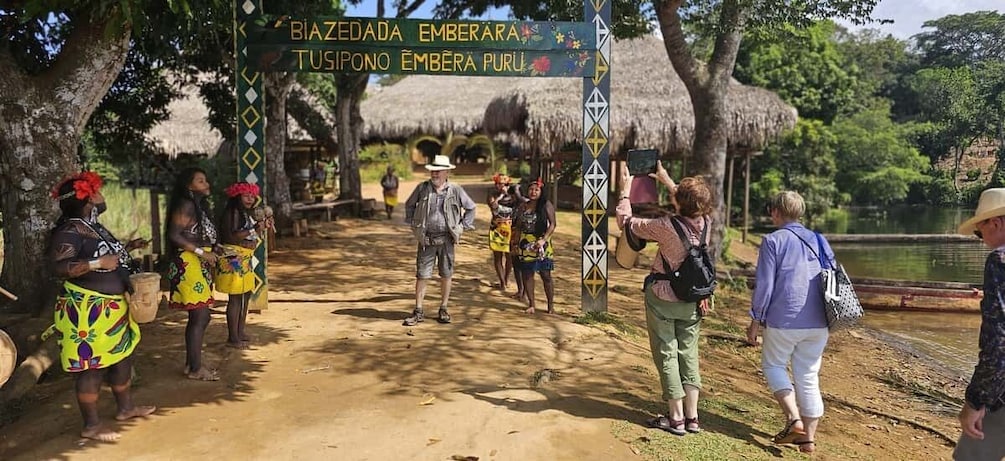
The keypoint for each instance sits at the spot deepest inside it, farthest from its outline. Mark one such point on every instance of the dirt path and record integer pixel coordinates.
(334, 375)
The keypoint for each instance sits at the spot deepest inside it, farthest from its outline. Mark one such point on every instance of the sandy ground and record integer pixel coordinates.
(334, 375)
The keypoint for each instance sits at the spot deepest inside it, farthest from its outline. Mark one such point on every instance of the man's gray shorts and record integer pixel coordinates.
(441, 255)
(993, 445)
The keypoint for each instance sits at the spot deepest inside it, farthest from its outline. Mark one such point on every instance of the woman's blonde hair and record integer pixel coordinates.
(693, 197)
(789, 205)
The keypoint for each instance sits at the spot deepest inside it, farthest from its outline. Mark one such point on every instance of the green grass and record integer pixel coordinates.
(611, 320)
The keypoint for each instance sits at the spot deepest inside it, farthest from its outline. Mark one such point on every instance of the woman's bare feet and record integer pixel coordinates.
(100, 433)
(242, 345)
(135, 412)
(518, 295)
(203, 374)
(530, 310)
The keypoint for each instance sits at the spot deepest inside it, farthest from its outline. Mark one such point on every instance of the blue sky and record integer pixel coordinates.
(907, 15)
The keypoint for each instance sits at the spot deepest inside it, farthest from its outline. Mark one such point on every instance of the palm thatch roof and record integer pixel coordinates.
(430, 104)
(650, 107)
(187, 131)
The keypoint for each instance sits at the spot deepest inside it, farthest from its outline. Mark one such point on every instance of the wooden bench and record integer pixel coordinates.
(301, 210)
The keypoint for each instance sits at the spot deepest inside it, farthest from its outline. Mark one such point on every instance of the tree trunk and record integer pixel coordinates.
(42, 117)
(277, 88)
(708, 86)
(316, 119)
(350, 128)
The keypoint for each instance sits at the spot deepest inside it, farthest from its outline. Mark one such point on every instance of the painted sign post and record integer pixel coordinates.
(420, 46)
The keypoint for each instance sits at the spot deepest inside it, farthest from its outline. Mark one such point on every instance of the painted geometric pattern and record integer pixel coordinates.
(250, 92)
(596, 162)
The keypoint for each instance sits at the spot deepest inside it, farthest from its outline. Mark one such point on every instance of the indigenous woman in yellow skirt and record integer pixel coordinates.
(239, 233)
(191, 238)
(390, 185)
(502, 202)
(536, 221)
(96, 334)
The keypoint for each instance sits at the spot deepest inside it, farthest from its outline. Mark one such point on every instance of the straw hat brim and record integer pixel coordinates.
(970, 225)
(440, 167)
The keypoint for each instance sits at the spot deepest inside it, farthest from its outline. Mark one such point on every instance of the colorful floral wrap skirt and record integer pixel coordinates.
(500, 235)
(233, 274)
(94, 330)
(191, 282)
(530, 258)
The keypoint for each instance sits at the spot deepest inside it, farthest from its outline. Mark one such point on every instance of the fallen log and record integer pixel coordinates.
(27, 374)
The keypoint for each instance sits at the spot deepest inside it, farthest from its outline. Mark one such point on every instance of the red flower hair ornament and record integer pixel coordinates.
(85, 185)
(239, 188)
(500, 178)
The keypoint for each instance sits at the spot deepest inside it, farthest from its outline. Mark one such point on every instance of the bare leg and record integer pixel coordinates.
(507, 269)
(497, 262)
(806, 443)
(549, 290)
(795, 427)
(119, 376)
(528, 289)
(235, 313)
(420, 292)
(241, 333)
(195, 331)
(787, 401)
(518, 276)
(88, 385)
(445, 284)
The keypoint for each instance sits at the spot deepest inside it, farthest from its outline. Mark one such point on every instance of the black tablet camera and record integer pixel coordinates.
(642, 162)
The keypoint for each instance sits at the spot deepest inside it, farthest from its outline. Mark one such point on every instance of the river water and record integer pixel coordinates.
(950, 339)
(950, 262)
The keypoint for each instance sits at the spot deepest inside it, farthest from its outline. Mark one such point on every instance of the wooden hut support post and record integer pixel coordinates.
(746, 198)
(729, 190)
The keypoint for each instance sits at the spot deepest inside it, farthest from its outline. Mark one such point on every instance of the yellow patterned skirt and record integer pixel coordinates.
(94, 330)
(191, 281)
(500, 235)
(391, 198)
(233, 274)
(530, 259)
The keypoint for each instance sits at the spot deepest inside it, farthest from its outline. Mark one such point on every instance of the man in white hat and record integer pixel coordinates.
(982, 417)
(438, 212)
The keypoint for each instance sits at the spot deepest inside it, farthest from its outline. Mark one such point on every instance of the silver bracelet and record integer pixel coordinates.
(199, 251)
(94, 264)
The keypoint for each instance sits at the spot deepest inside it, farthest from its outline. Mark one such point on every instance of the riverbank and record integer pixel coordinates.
(334, 375)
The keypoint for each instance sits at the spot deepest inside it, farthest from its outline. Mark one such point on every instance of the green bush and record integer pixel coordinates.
(374, 159)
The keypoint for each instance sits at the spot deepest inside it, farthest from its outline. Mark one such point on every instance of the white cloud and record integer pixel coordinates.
(909, 15)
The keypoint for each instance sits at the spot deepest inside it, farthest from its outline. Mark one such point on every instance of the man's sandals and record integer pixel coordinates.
(418, 317)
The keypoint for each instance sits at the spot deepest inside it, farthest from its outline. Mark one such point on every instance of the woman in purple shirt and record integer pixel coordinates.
(789, 304)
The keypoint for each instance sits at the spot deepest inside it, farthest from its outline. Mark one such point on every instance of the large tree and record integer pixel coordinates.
(58, 59)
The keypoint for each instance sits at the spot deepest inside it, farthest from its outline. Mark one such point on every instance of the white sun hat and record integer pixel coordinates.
(439, 163)
(991, 204)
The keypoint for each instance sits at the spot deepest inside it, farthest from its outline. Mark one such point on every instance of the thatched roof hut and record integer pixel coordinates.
(650, 107)
(187, 131)
(431, 104)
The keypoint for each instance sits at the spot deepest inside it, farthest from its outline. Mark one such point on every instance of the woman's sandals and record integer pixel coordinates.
(790, 433)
